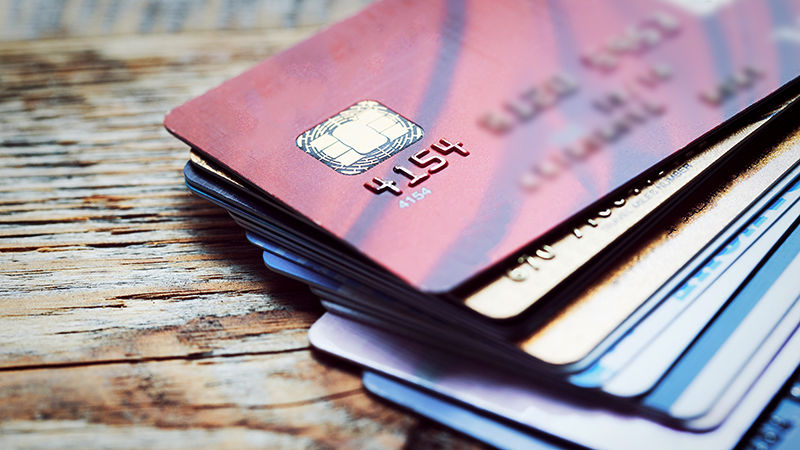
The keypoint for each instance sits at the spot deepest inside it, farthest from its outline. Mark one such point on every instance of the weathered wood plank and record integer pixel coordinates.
(133, 314)
(94, 215)
(23, 19)
(289, 395)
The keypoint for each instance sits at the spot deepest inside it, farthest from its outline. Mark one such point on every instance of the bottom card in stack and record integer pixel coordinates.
(778, 428)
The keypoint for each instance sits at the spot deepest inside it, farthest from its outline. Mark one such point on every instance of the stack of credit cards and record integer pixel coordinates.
(536, 222)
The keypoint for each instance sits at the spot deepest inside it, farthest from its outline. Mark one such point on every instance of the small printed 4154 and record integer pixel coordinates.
(414, 197)
(424, 159)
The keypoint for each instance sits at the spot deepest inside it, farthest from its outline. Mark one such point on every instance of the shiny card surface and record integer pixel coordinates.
(439, 138)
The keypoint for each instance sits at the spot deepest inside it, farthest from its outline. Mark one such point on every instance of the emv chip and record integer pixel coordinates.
(359, 137)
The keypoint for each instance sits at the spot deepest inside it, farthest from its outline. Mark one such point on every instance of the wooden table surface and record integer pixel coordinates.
(132, 313)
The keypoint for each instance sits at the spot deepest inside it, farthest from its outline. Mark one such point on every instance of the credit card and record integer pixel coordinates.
(662, 338)
(718, 355)
(537, 274)
(752, 369)
(260, 218)
(581, 336)
(374, 130)
(640, 278)
(519, 399)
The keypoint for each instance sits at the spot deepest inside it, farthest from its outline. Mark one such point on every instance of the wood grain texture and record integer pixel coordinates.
(33, 19)
(133, 314)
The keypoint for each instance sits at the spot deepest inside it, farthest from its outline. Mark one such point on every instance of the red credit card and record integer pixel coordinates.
(440, 137)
